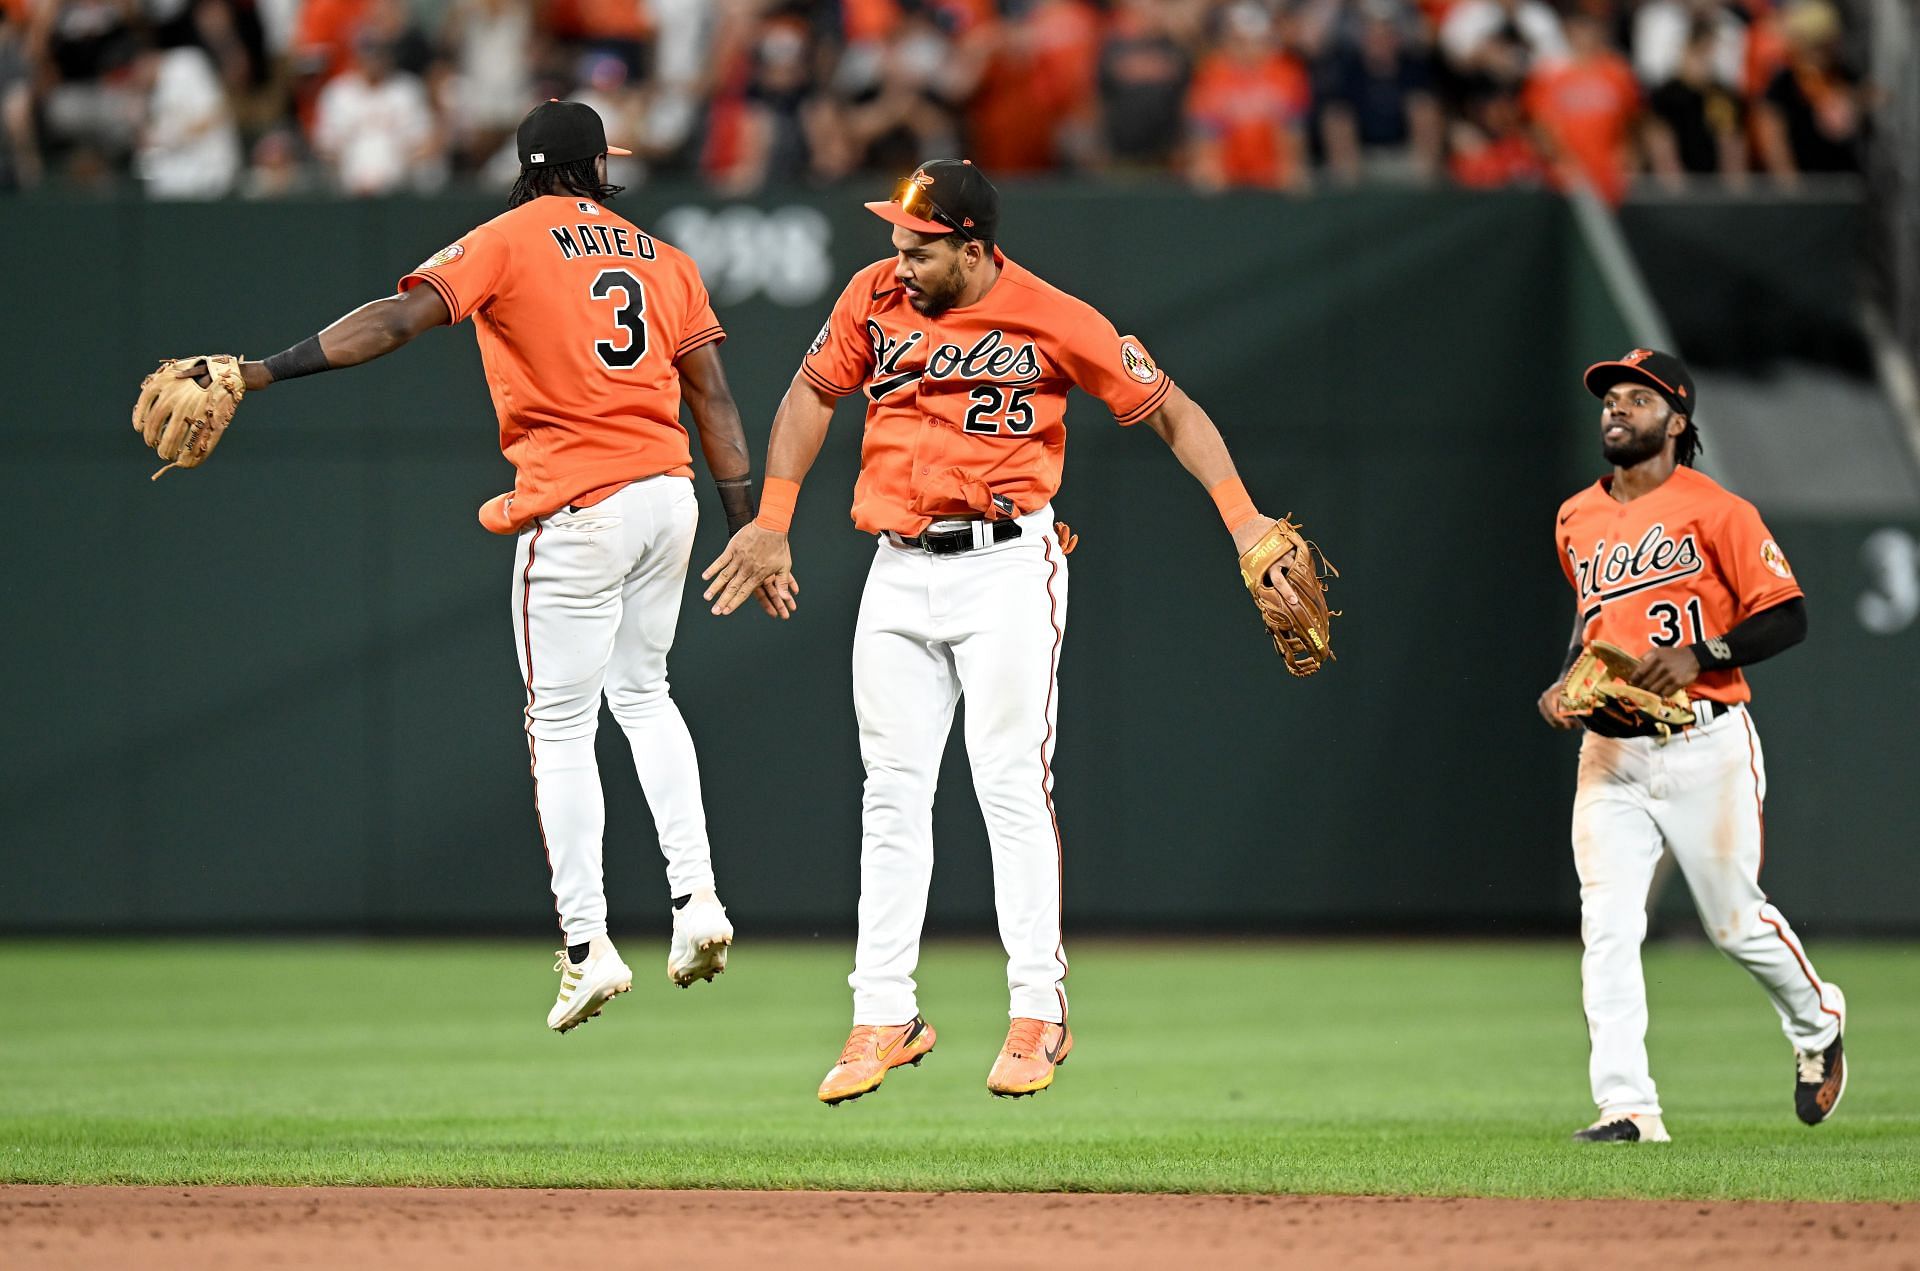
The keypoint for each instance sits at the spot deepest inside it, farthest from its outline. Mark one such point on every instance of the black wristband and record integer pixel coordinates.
(1712, 655)
(304, 358)
(736, 500)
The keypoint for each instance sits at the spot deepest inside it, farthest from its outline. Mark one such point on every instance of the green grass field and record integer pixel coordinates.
(1418, 1068)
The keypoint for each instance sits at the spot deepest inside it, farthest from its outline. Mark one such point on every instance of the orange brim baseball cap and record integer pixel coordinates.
(944, 196)
(556, 132)
(1663, 372)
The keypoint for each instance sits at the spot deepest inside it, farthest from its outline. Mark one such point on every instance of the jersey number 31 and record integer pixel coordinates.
(630, 317)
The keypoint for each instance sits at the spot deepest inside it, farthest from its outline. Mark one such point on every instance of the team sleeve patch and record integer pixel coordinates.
(1137, 363)
(820, 341)
(446, 255)
(1775, 560)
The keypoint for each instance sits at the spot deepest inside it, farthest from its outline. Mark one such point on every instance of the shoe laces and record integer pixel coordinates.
(1023, 1037)
(860, 1042)
(1813, 1066)
(560, 960)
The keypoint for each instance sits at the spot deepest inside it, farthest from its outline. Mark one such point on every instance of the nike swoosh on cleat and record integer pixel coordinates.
(1053, 1052)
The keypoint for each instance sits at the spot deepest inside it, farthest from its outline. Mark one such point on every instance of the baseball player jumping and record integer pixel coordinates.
(592, 332)
(966, 360)
(1671, 568)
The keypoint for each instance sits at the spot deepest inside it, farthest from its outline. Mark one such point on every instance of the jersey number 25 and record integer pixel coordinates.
(630, 316)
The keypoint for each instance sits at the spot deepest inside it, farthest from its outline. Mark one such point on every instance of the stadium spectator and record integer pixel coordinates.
(91, 106)
(374, 127)
(275, 170)
(1035, 103)
(19, 143)
(1378, 113)
(189, 146)
(1696, 122)
(1247, 109)
(683, 37)
(322, 44)
(1490, 146)
(1143, 75)
(1492, 45)
(491, 87)
(1811, 118)
(1665, 30)
(619, 28)
(892, 101)
(1584, 107)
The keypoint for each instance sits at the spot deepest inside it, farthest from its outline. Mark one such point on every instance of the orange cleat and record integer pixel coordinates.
(1034, 1048)
(872, 1051)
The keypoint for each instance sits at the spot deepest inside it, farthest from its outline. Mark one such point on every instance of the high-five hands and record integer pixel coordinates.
(757, 562)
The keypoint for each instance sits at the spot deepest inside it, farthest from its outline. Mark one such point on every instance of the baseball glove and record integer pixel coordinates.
(1597, 681)
(1299, 623)
(181, 420)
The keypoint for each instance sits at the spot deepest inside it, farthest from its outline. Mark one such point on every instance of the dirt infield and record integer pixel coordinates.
(208, 1228)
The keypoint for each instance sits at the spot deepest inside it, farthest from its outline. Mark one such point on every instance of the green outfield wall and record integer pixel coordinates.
(280, 692)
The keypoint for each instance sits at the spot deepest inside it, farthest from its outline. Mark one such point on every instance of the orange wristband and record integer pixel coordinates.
(1235, 504)
(777, 498)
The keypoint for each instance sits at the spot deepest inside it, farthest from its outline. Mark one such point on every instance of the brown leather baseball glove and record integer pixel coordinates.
(181, 420)
(1597, 681)
(1299, 624)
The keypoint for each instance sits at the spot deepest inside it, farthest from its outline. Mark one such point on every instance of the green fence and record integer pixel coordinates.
(280, 691)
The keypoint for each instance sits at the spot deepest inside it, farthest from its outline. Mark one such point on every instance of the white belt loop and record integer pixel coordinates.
(982, 534)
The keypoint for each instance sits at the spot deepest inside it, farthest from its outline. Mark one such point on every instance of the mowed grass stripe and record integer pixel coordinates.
(1416, 1068)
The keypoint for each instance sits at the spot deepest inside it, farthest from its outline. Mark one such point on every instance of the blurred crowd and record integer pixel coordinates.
(262, 98)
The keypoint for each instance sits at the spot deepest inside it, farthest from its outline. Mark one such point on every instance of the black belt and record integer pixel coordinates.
(1607, 726)
(952, 542)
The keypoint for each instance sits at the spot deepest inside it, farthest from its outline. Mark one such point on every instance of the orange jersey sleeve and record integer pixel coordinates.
(841, 356)
(581, 317)
(1114, 368)
(1756, 570)
(465, 273)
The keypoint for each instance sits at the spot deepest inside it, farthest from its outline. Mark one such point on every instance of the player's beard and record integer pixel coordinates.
(937, 298)
(1636, 447)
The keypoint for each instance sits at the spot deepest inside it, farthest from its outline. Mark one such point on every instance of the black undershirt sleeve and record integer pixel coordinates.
(736, 500)
(1762, 635)
(304, 358)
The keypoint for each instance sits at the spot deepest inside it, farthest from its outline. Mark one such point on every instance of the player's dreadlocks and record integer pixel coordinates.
(1687, 446)
(578, 177)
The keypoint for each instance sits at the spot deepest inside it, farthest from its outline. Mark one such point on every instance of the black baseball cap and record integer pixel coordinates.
(556, 132)
(944, 196)
(1662, 372)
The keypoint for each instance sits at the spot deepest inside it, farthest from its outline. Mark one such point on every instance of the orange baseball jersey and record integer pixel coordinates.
(1684, 563)
(971, 404)
(580, 317)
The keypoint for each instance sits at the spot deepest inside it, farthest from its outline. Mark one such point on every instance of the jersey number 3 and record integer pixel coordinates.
(630, 316)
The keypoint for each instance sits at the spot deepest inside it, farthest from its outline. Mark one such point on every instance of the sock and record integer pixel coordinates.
(577, 953)
(680, 902)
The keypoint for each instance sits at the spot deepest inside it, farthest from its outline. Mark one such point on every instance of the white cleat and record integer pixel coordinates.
(701, 937)
(586, 987)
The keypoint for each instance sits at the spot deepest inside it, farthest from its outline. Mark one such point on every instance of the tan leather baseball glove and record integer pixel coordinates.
(1597, 681)
(1299, 624)
(178, 418)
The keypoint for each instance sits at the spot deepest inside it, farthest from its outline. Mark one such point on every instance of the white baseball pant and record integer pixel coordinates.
(596, 596)
(988, 624)
(1701, 794)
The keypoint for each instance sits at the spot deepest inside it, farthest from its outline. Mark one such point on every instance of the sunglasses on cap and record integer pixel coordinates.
(912, 198)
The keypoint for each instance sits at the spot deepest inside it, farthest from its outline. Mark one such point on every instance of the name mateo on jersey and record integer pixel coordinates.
(580, 241)
(992, 357)
(1620, 569)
